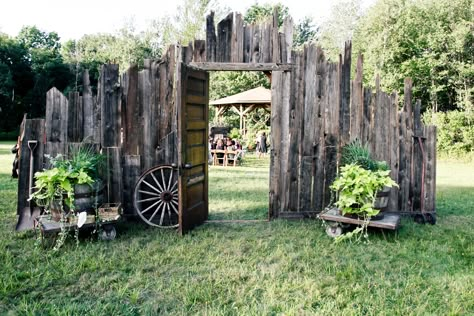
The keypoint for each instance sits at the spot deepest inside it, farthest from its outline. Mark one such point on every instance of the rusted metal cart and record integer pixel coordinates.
(337, 223)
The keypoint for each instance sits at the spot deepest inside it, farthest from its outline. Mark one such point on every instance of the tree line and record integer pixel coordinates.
(428, 40)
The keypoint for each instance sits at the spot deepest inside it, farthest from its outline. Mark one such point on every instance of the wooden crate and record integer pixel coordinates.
(109, 211)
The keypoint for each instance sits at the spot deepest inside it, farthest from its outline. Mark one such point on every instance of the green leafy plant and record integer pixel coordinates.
(357, 153)
(357, 189)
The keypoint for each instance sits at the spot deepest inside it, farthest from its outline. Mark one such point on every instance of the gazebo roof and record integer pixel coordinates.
(259, 95)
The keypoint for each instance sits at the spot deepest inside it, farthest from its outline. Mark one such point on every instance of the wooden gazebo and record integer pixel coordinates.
(243, 103)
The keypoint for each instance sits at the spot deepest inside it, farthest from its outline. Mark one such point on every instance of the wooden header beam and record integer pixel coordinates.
(241, 66)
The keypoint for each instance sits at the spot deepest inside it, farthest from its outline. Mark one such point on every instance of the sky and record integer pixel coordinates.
(73, 19)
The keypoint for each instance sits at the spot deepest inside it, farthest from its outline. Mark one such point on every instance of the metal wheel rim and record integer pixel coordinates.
(155, 197)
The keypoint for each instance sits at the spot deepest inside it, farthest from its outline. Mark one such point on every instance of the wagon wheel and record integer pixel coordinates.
(156, 197)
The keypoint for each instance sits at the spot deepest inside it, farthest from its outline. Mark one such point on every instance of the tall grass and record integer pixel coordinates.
(264, 268)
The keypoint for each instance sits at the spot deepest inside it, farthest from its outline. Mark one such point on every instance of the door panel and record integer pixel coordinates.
(193, 132)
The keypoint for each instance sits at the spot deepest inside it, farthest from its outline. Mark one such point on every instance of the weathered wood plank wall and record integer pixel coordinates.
(316, 109)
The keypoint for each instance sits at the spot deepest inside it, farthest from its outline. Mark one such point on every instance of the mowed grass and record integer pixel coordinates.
(265, 268)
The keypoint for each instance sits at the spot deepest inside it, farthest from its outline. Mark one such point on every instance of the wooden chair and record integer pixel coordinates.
(218, 157)
(232, 157)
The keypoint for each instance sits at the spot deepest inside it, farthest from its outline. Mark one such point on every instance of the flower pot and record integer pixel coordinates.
(88, 197)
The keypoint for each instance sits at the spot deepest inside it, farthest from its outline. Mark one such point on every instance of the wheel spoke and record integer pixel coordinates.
(168, 210)
(156, 211)
(174, 202)
(149, 199)
(174, 208)
(156, 181)
(174, 186)
(148, 192)
(150, 207)
(162, 215)
(163, 178)
(152, 187)
(171, 178)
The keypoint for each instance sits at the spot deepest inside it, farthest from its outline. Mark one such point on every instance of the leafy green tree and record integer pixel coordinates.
(305, 32)
(339, 26)
(47, 65)
(427, 40)
(258, 13)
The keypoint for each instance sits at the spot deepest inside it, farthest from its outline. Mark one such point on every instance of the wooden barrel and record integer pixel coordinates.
(88, 197)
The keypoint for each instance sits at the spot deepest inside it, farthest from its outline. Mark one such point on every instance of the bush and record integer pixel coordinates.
(455, 132)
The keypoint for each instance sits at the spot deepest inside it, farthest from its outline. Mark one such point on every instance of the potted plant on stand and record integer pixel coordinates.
(71, 185)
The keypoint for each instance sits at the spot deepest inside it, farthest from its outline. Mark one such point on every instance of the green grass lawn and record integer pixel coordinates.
(265, 268)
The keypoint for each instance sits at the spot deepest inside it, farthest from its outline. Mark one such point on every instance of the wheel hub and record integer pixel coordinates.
(166, 196)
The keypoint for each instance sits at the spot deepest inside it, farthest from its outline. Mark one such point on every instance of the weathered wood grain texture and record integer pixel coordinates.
(266, 52)
(148, 117)
(394, 151)
(345, 97)
(404, 172)
(285, 139)
(89, 119)
(430, 176)
(275, 38)
(296, 127)
(357, 103)
(56, 122)
(113, 174)
(34, 130)
(224, 39)
(248, 42)
(332, 136)
(188, 53)
(132, 115)
(275, 158)
(308, 133)
(419, 159)
(319, 151)
(286, 43)
(237, 38)
(211, 39)
(75, 117)
(167, 151)
(110, 106)
(241, 66)
(255, 48)
(366, 123)
(199, 53)
(131, 173)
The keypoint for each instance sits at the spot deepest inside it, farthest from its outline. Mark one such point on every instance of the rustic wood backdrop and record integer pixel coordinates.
(316, 109)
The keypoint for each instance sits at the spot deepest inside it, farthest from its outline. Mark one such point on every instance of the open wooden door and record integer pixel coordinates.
(193, 112)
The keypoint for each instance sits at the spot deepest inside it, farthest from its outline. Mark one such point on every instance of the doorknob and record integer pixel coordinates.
(187, 166)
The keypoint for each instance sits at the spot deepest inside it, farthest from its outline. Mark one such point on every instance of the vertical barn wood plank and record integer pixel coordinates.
(114, 174)
(248, 42)
(144, 97)
(211, 40)
(319, 150)
(275, 164)
(275, 39)
(255, 48)
(296, 127)
(345, 98)
(56, 122)
(308, 134)
(88, 108)
(75, 118)
(287, 44)
(224, 39)
(132, 115)
(366, 116)
(394, 151)
(418, 160)
(357, 103)
(199, 53)
(34, 129)
(406, 143)
(131, 173)
(110, 110)
(285, 140)
(332, 125)
(188, 52)
(237, 48)
(430, 176)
